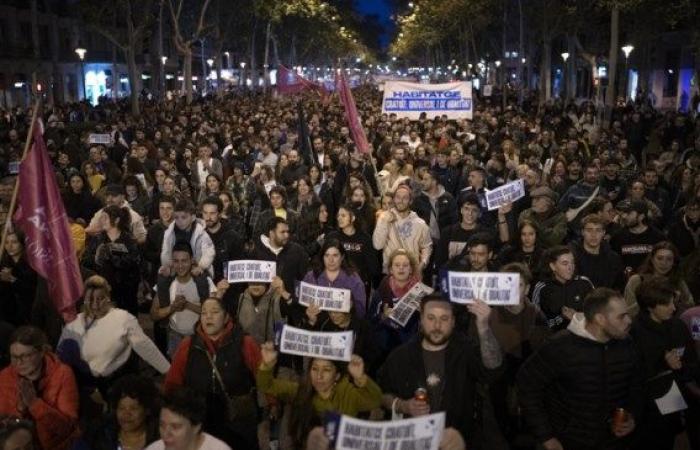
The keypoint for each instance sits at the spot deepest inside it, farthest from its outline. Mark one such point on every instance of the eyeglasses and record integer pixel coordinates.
(23, 357)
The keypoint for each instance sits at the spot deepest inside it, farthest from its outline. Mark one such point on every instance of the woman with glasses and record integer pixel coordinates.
(37, 386)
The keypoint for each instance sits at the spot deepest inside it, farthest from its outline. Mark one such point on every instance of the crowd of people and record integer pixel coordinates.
(600, 352)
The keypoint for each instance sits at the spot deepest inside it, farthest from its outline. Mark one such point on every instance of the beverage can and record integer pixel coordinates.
(421, 394)
(619, 417)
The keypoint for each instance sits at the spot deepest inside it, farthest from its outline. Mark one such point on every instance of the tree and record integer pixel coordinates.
(186, 32)
(125, 23)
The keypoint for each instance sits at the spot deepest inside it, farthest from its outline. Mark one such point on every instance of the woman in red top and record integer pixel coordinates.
(236, 357)
(37, 386)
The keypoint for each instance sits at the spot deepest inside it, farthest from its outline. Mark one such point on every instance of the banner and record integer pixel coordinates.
(316, 344)
(411, 99)
(351, 114)
(100, 139)
(505, 194)
(409, 303)
(418, 433)
(251, 271)
(42, 217)
(494, 288)
(290, 82)
(326, 298)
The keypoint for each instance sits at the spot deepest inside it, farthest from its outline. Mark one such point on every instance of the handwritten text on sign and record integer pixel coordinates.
(494, 288)
(316, 344)
(251, 271)
(420, 433)
(409, 303)
(505, 194)
(326, 298)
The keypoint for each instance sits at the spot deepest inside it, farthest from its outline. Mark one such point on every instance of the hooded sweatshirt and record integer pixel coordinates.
(410, 233)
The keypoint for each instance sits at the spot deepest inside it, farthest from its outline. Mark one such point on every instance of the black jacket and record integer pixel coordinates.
(571, 385)
(550, 296)
(603, 270)
(228, 246)
(445, 209)
(404, 371)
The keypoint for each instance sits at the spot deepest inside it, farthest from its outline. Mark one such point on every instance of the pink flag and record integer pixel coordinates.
(351, 115)
(290, 82)
(42, 217)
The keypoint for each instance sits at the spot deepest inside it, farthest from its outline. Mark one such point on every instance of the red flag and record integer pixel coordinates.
(42, 217)
(290, 82)
(351, 115)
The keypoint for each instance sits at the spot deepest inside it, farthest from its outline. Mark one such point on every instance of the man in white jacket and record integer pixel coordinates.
(186, 228)
(402, 228)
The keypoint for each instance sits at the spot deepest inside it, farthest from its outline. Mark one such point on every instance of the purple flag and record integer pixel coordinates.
(42, 217)
(351, 115)
(290, 82)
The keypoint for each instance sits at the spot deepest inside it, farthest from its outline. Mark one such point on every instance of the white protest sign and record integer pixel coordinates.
(251, 271)
(494, 288)
(488, 90)
(409, 100)
(100, 139)
(326, 298)
(409, 303)
(317, 344)
(419, 433)
(507, 193)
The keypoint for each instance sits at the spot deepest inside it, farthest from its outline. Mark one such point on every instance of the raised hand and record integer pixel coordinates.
(356, 367)
(312, 312)
(481, 311)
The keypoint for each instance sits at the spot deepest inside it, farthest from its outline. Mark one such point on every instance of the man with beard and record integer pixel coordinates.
(228, 244)
(635, 241)
(294, 170)
(401, 227)
(445, 364)
(571, 387)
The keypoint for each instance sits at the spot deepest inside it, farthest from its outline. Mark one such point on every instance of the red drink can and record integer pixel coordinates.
(421, 394)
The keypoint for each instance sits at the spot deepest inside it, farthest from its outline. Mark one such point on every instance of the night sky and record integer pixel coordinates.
(382, 9)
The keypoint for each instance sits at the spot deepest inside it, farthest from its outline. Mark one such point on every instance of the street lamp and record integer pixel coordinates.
(627, 49)
(240, 75)
(228, 59)
(163, 59)
(565, 57)
(81, 54)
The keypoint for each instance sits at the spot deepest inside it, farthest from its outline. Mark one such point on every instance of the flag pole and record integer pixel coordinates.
(15, 190)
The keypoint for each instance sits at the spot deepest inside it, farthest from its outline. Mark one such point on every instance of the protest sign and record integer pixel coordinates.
(100, 139)
(418, 433)
(326, 298)
(409, 100)
(507, 193)
(251, 271)
(494, 288)
(409, 303)
(316, 344)
(488, 90)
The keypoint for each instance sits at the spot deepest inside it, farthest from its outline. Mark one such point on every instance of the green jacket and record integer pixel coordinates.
(346, 398)
(553, 229)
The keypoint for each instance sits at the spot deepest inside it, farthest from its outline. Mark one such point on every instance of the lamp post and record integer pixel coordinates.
(163, 60)
(627, 49)
(228, 59)
(565, 57)
(81, 54)
(241, 79)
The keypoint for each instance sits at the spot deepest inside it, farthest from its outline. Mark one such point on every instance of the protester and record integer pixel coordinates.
(219, 363)
(668, 358)
(560, 389)
(39, 387)
(181, 419)
(323, 388)
(17, 281)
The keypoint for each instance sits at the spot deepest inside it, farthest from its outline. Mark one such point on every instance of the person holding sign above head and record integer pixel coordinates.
(219, 363)
(439, 369)
(583, 388)
(335, 271)
(403, 275)
(561, 293)
(451, 440)
(324, 388)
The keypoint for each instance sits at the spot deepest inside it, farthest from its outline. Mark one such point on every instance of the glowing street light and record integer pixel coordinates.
(210, 62)
(498, 63)
(81, 54)
(565, 56)
(627, 49)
